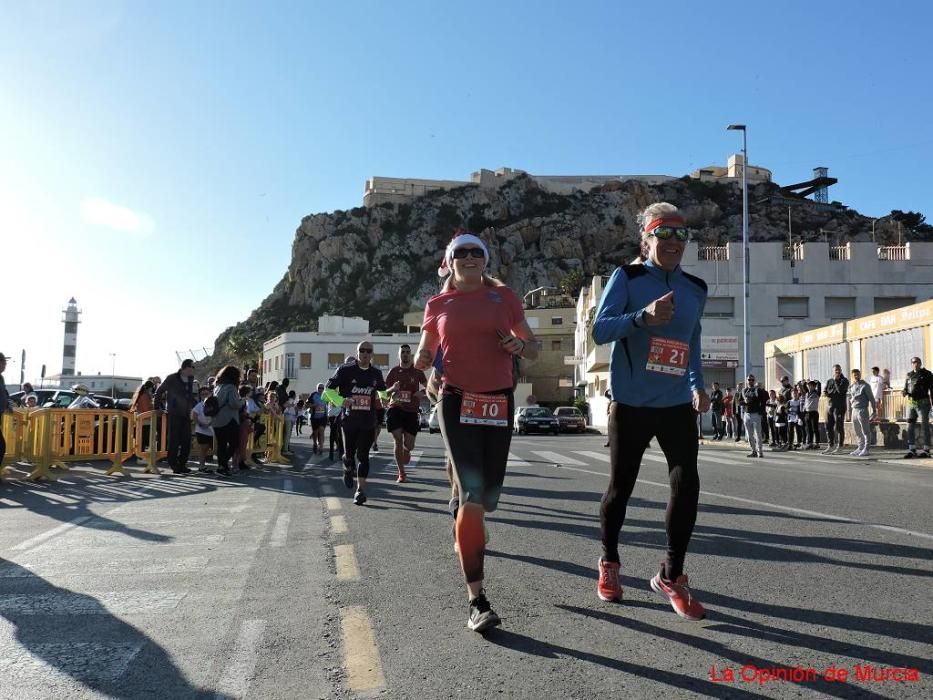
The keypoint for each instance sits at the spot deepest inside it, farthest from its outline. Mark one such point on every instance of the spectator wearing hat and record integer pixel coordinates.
(177, 393)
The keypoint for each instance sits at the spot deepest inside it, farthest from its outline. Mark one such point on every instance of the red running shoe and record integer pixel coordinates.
(609, 588)
(680, 597)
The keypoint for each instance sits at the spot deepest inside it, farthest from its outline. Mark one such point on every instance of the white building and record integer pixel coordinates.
(792, 289)
(310, 358)
(119, 385)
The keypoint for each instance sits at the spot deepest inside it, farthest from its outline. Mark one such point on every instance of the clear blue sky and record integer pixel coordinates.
(157, 157)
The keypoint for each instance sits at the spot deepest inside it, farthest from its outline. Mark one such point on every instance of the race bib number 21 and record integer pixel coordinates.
(667, 356)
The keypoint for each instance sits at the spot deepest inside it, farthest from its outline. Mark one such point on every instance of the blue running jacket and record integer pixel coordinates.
(652, 366)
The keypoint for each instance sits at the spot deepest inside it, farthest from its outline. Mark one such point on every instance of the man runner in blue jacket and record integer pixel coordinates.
(651, 313)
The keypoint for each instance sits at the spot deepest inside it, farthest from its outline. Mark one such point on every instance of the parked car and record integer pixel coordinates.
(42, 395)
(537, 419)
(61, 398)
(434, 425)
(570, 418)
(104, 401)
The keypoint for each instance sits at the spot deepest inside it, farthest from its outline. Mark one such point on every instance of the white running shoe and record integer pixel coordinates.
(862, 453)
(855, 453)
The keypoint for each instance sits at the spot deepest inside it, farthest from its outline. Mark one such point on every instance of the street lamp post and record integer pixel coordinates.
(113, 372)
(746, 344)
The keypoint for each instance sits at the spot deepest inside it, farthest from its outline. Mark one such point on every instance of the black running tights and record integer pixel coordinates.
(630, 430)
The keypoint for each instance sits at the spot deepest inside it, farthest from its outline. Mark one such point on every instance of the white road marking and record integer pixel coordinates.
(338, 524)
(599, 456)
(287, 485)
(415, 458)
(776, 506)
(558, 458)
(514, 461)
(332, 503)
(55, 531)
(280, 530)
(236, 677)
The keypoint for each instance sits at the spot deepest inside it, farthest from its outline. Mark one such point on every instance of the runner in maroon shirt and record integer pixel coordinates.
(405, 391)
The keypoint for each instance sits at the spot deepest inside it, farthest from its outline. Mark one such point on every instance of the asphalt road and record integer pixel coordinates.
(274, 585)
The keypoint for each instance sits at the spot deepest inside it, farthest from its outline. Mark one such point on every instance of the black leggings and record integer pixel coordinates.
(836, 426)
(813, 427)
(358, 437)
(630, 430)
(479, 453)
(336, 434)
(228, 438)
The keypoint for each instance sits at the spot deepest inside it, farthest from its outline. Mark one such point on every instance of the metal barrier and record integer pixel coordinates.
(274, 428)
(47, 438)
(15, 426)
(150, 437)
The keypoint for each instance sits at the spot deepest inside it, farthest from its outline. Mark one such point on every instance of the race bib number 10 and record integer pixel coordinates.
(484, 409)
(667, 356)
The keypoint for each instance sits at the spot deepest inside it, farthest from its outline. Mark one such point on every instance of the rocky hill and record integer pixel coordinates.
(381, 262)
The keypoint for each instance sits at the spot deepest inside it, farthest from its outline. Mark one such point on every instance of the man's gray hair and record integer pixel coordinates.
(656, 211)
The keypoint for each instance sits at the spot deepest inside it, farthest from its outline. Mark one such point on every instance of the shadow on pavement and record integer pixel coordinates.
(98, 649)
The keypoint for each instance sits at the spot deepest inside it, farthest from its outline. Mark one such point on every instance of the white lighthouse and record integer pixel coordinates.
(71, 321)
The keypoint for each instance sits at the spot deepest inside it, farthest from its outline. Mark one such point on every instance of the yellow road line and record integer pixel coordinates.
(347, 568)
(361, 656)
(338, 524)
(332, 503)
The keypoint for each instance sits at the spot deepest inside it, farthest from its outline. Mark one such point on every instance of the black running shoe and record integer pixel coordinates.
(482, 616)
(910, 454)
(453, 506)
(360, 498)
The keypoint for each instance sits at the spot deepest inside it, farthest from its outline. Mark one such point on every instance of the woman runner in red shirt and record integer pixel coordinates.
(480, 325)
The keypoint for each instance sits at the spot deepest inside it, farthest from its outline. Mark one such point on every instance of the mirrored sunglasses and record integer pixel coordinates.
(666, 232)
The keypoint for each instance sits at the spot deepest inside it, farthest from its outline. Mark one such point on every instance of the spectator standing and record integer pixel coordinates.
(811, 413)
(770, 412)
(281, 393)
(795, 419)
(716, 406)
(837, 389)
(860, 398)
(177, 394)
(139, 404)
(876, 382)
(918, 388)
(245, 427)
(290, 414)
(754, 399)
(728, 415)
(226, 423)
(203, 432)
(4, 405)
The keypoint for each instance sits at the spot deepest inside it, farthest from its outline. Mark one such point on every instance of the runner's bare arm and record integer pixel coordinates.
(527, 344)
(426, 348)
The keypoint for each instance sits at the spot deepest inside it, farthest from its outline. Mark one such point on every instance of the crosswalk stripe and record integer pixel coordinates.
(236, 677)
(515, 461)
(599, 456)
(558, 458)
(414, 459)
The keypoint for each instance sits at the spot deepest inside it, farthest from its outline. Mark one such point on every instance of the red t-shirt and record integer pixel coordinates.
(467, 323)
(410, 381)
